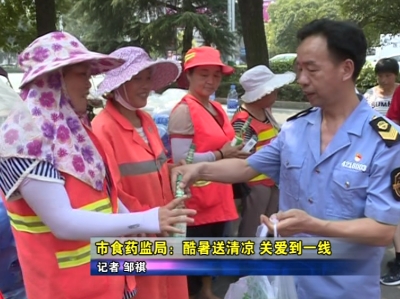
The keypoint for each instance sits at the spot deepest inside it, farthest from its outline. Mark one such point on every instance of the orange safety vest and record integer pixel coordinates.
(54, 268)
(144, 182)
(265, 133)
(213, 201)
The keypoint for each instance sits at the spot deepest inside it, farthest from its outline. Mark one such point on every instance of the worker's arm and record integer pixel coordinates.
(266, 160)
(50, 201)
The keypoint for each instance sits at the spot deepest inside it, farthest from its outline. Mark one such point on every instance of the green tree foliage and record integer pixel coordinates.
(374, 16)
(18, 22)
(288, 16)
(110, 24)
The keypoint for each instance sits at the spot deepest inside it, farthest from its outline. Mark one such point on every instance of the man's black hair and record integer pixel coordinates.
(387, 65)
(345, 40)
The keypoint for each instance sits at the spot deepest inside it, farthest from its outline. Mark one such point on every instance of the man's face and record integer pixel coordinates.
(318, 74)
(386, 80)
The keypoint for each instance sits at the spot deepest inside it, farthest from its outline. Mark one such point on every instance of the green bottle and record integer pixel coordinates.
(181, 193)
(238, 140)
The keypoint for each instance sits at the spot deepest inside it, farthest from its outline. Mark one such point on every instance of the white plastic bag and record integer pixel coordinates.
(263, 287)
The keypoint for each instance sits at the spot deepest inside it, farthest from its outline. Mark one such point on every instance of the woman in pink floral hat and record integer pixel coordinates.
(131, 136)
(54, 174)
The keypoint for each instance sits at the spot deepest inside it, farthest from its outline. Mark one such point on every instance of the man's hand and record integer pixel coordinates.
(190, 174)
(290, 223)
(172, 166)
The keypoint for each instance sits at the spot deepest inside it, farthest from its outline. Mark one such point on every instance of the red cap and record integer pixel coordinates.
(205, 56)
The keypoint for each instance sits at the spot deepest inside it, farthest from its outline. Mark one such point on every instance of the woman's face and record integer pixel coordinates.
(268, 100)
(77, 82)
(137, 89)
(205, 80)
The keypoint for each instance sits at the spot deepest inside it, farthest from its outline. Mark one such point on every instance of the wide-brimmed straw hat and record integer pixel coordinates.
(260, 81)
(164, 71)
(59, 49)
(205, 56)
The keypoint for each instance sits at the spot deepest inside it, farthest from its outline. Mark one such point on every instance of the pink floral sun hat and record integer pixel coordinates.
(164, 71)
(58, 49)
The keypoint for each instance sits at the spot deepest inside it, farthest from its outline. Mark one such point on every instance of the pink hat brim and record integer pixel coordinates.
(100, 63)
(165, 72)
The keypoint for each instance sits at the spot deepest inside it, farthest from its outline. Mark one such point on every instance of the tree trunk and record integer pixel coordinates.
(187, 5)
(45, 16)
(255, 42)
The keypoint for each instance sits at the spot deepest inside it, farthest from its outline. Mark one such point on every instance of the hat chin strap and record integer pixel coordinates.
(120, 99)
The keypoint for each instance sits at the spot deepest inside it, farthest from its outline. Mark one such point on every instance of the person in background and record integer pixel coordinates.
(338, 174)
(196, 119)
(54, 174)
(392, 277)
(379, 97)
(261, 90)
(130, 135)
(11, 281)
(393, 112)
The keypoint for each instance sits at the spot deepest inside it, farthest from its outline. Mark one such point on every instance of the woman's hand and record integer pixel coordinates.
(230, 151)
(171, 214)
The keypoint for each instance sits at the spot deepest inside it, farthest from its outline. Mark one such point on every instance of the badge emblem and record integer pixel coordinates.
(395, 180)
(358, 157)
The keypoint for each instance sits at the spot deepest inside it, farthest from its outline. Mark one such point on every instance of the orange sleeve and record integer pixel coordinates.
(131, 202)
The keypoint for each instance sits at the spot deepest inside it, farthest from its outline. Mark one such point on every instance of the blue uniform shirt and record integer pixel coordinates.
(350, 180)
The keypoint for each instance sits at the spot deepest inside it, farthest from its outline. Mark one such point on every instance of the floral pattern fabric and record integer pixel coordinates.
(46, 127)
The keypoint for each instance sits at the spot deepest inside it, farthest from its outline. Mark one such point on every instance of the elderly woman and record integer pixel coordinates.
(55, 177)
(261, 87)
(131, 136)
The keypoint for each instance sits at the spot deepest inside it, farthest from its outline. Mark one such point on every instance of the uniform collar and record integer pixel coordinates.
(354, 124)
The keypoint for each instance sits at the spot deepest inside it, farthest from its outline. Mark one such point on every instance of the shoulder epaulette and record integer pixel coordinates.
(386, 131)
(302, 113)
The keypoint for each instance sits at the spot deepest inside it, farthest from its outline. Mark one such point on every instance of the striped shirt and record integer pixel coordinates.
(249, 133)
(14, 170)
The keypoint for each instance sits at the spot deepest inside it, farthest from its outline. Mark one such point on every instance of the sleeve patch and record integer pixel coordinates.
(395, 182)
(385, 130)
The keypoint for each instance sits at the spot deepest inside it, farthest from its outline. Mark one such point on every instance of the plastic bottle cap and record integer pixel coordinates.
(233, 86)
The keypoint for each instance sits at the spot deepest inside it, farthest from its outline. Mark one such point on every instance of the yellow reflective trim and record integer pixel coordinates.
(102, 205)
(201, 183)
(28, 224)
(259, 178)
(73, 258)
(266, 135)
(34, 225)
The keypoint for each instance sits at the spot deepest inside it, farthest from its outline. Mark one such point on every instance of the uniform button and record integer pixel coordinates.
(347, 184)
(310, 200)
(317, 170)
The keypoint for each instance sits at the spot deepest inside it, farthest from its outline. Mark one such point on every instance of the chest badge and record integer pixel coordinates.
(358, 157)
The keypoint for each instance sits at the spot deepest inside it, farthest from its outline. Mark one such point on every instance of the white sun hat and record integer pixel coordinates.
(260, 81)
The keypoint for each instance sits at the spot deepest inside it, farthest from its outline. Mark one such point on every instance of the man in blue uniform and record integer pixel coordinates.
(337, 163)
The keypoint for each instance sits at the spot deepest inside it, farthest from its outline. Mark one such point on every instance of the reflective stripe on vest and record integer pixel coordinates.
(262, 138)
(73, 258)
(34, 225)
(201, 183)
(143, 167)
